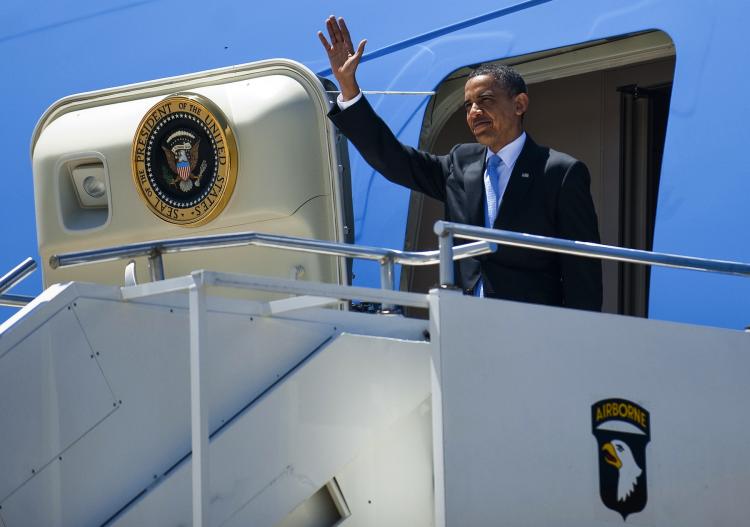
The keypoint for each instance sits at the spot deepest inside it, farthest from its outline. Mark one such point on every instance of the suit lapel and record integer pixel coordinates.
(518, 185)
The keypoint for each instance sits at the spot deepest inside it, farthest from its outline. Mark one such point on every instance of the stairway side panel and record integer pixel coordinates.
(520, 442)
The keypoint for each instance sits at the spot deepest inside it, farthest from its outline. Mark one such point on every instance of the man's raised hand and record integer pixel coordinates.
(344, 60)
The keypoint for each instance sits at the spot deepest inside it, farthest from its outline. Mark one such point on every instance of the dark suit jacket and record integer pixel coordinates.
(548, 194)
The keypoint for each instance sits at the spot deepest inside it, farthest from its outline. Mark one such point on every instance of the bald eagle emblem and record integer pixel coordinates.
(181, 152)
(622, 431)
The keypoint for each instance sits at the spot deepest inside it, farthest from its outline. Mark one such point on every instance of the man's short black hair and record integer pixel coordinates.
(507, 77)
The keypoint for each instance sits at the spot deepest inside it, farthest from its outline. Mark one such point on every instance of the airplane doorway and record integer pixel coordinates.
(605, 103)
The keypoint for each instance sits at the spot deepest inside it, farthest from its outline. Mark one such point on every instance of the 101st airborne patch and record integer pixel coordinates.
(184, 160)
(622, 429)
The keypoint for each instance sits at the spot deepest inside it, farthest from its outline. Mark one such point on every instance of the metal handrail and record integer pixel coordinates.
(15, 300)
(17, 274)
(446, 232)
(260, 239)
(485, 242)
(156, 248)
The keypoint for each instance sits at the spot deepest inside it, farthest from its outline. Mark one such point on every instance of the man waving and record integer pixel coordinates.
(504, 181)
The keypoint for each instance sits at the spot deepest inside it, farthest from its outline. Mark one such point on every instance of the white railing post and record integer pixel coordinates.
(156, 265)
(198, 402)
(445, 246)
(387, 281)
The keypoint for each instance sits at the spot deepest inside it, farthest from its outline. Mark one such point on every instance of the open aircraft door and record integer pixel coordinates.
(244, 148)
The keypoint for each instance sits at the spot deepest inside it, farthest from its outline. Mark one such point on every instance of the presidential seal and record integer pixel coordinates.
(185, 160)
(622, 430)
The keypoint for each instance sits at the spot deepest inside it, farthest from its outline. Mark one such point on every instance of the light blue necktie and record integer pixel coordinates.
(491, 186)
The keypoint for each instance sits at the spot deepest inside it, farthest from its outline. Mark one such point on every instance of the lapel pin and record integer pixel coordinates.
(525, 174)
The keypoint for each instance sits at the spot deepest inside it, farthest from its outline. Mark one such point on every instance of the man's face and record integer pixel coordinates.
(493, 116)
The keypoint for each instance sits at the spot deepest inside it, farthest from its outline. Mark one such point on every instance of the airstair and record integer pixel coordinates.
(299, 402)
(178, 402)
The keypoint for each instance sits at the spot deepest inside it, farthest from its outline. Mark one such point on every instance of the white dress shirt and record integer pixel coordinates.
(509, 154)
(343, 105)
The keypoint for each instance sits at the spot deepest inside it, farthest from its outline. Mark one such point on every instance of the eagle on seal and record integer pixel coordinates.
(182, 159)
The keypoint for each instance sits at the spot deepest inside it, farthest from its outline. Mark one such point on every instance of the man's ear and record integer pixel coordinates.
(521, 103)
